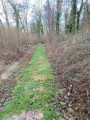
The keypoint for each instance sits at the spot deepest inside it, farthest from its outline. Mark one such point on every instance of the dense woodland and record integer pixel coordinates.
(63, 26)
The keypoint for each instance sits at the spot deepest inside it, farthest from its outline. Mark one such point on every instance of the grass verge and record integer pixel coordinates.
(34, 89)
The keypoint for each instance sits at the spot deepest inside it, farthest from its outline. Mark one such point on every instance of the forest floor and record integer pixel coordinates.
(33, 95)
(33, 89)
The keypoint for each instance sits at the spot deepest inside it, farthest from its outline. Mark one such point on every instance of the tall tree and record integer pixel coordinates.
(1, 24)
(79, 14)
(33, 28)
(72, 24)
(4, 6)
(39, 24)
(50, 21)
(67, 17)
(88, 11)
(15, 12)
(58, 15)
(73, 14)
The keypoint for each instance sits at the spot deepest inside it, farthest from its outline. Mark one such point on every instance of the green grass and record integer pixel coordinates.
(34, 89)
(63, 104)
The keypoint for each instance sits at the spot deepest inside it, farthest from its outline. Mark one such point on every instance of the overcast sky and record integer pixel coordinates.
(37, 3)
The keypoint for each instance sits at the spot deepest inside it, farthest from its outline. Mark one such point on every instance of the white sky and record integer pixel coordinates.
(37, 3)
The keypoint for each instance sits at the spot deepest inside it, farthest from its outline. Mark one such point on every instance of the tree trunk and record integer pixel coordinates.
(58, 14)
(78, 15)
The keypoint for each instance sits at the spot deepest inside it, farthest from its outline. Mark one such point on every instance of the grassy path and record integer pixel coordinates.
(34, 89)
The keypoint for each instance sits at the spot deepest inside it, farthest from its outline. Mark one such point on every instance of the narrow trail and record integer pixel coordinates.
(7, 73)
(33, 95)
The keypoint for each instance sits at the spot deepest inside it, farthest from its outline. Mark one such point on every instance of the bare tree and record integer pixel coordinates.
(1, 24)
(50, 20)
(15, 13)
(79, 14)
(4, 7)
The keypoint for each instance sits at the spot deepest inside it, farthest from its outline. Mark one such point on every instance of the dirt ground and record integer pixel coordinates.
(8, 74)
(30, 115)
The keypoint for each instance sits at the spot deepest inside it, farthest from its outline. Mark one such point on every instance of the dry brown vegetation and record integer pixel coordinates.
(6, 85)
(70, 63)
(13, 43)
(14, 46)
(68, 51)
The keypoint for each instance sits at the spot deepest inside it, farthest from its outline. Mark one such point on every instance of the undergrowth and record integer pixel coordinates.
(70, 60)
(34, 89)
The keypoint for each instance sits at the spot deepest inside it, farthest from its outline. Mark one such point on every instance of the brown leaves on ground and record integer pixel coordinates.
(5, 89)
(71, 65)
(41, 61)
(39, 78)
(8, 84)
(42, 90)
